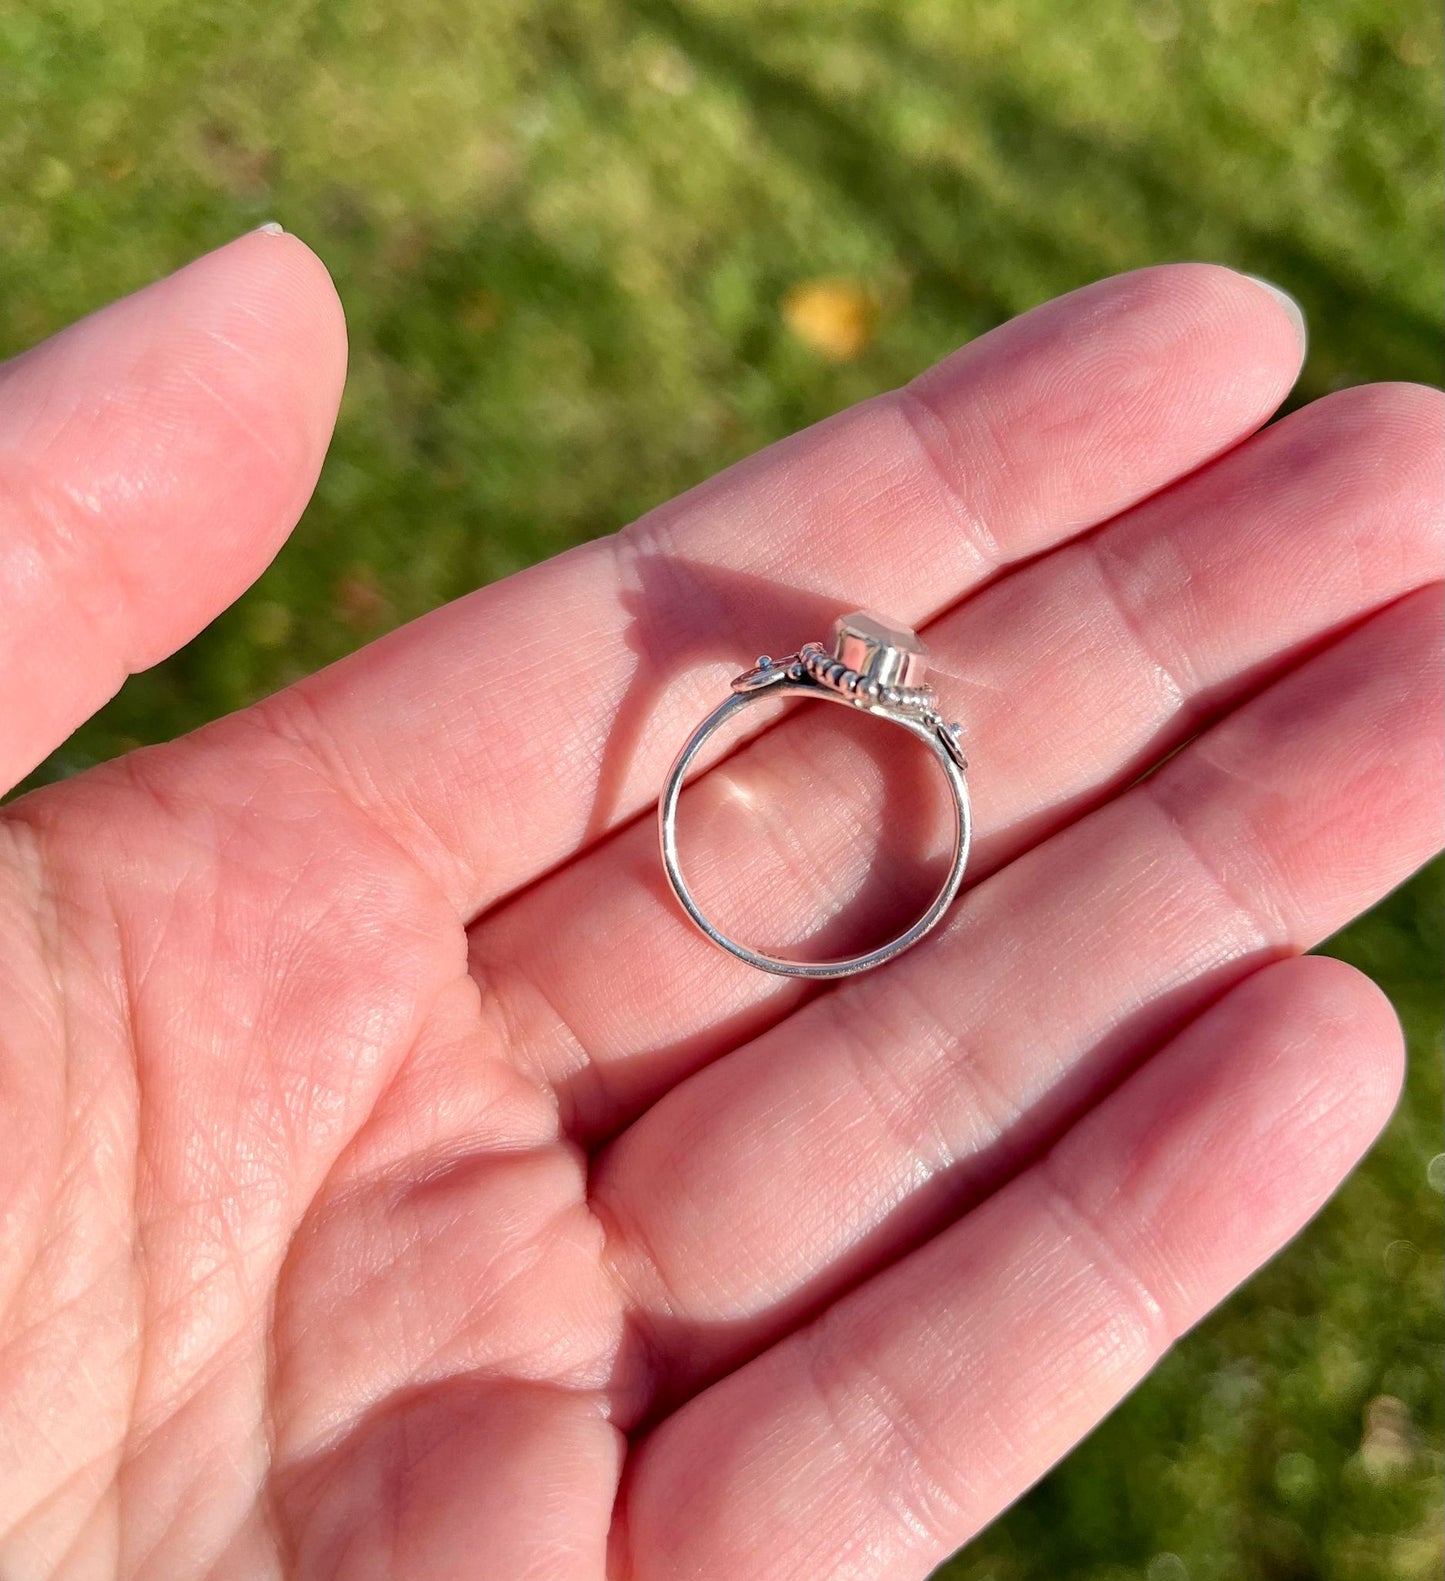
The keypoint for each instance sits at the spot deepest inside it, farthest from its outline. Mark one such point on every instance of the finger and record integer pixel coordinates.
(884, 1435)
(153, 457)
(1070, 676)
(783, 1172)
(496, 737)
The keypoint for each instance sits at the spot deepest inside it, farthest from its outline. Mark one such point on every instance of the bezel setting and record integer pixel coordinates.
(883, 650)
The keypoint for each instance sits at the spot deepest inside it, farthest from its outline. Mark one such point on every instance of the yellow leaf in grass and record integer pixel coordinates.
(835, 317)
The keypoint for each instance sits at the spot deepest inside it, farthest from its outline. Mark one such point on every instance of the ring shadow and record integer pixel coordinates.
(686, 615)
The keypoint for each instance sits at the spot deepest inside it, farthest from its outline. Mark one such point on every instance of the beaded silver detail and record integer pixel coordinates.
(830, 671)
(812, 663)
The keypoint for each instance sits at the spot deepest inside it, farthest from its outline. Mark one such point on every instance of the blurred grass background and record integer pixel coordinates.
(592, 250)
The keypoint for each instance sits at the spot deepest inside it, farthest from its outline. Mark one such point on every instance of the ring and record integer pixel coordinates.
(878, 668)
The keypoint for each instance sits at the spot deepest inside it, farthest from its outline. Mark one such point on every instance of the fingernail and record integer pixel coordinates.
(1288, 303)
(274, 228)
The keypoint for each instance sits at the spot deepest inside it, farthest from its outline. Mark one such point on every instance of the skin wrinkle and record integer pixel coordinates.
(961, 1058)
(1136, 1302)
(70, 538)
(421, 1165)
(127, 614)
(31, 1335)
(455, 1161)
(109, 1501)
(520, 1261)
(936, 448)
(47, 952)
(494, 984)
(219, 856)
(859, 1447)
(248, 356)
(592, 1371)
(223, 1259)
(646, 1306)
(292, 719)
(922, 1141)
(83, 1531)
(892, 1422)
(906, 1120)
(113, 1452)
(51, 411)
(1176, 684)
(288, 1256)
(133, 1440)
(133, 1252)
(233, 1365)
(1267, 923)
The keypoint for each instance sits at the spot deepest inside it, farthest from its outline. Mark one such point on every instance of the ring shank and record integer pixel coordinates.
(781, 965)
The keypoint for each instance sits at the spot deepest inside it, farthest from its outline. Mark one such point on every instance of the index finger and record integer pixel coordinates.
(496, 737)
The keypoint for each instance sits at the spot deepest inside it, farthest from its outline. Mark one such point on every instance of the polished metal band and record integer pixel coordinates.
(913, 713)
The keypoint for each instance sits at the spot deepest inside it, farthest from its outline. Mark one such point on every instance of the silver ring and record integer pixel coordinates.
(873, 666)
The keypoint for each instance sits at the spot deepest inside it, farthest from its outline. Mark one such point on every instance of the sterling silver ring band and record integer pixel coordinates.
(875, 667)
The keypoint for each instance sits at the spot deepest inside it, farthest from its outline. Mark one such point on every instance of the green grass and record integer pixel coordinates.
(563, 233)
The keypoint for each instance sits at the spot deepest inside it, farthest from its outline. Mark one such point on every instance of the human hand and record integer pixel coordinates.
(393, 1184)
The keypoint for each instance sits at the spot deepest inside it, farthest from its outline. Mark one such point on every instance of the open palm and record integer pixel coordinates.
(392, 1183)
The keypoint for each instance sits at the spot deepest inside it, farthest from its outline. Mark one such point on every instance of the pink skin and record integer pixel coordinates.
(393, 1185)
